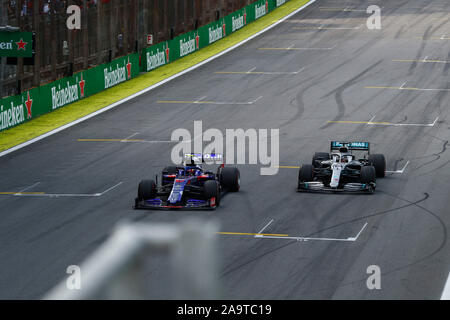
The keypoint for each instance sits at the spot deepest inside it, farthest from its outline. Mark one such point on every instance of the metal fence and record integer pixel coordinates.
(120, 268)
(110, 29)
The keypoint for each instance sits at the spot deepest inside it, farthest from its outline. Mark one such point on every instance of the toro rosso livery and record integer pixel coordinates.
(340, 170)
(188, 186)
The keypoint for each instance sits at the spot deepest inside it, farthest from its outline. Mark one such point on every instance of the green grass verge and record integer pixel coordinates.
(50, 121)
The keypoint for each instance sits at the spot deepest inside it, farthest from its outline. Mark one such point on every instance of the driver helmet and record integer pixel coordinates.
(193, 171)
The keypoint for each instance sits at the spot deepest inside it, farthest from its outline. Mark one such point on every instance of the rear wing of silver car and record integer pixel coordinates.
(359, 146)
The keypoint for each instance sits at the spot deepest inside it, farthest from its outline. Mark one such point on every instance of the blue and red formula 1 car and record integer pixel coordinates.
(189, 186)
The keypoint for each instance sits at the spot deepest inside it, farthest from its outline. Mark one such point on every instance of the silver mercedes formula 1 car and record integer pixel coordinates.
(341, 171)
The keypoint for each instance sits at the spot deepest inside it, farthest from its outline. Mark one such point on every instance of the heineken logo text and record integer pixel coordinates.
(64, 96)
(155, 60)
(114, 77)
(260, 11)
(237, 23)
(11, 117)
(215, 34)
(187, 47)
(6, 45)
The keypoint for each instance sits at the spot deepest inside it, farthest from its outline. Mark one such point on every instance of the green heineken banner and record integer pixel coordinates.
(38, 101)
(16, 44)
(35, 102)
(165, 52)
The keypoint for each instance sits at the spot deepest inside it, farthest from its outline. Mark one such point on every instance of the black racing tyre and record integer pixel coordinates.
(146, 190)
(211, 190)
(230, 179)
(379, 162)
(368, 174)
(320, 156)
(306, 173)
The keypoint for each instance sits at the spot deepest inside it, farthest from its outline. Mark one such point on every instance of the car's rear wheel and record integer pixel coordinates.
(320, 156)
(368, 174)
(146, 190)
(230, 178)
(211, 190)
(379, 162)
(306, 173)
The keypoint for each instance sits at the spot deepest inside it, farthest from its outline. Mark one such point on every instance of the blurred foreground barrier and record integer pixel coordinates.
(116, 269)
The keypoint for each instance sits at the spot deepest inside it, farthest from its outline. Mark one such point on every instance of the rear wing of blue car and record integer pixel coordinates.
(199, 158)
(360, 146)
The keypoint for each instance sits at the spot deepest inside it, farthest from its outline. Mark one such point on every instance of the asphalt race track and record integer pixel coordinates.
(322, 75)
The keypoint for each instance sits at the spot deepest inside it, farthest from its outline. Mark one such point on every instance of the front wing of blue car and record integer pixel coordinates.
(191, 204)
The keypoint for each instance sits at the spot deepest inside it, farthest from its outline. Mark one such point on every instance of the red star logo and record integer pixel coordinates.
(167, 52)
(29, 104)
(21, 45)
(129, 68)
(82, 83)
(197, 40)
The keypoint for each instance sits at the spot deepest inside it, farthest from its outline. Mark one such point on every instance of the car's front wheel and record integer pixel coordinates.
(306, 173)
(211, 190)
(146, 190)
(368, 174)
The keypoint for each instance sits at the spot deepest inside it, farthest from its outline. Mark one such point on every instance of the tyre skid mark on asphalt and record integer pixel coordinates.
(260, 235)
(436, 155)
(390, 211)
(56, 195)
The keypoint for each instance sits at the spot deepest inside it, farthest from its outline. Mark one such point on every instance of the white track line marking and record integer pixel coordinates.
(28, 188)
(258, 72)
(301, 48)
(200, 99)
(264, 228)
(359, 233)
(208, 102)
(109, 189)
(56, 195)
(153, 141)
(446, 292)
(257, 99)
(399, 171)
(402, 86)
(326, 28)
(408, 124)
(111, 106)
(407, 88)
(349, 239)
(127, 138)
(370, 121)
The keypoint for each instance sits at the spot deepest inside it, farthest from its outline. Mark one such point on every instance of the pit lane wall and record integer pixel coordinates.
(21, 108)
